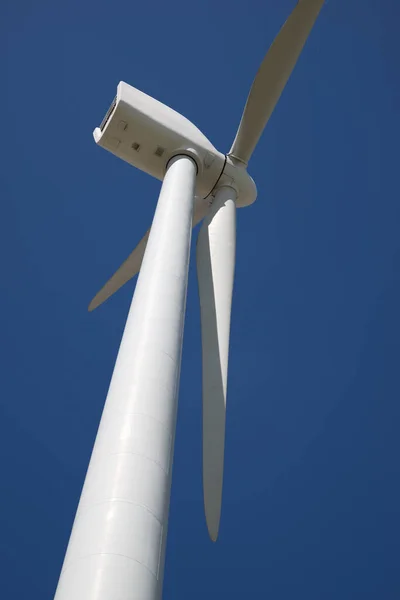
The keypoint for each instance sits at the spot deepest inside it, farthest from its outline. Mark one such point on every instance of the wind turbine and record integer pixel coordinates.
(117, 545)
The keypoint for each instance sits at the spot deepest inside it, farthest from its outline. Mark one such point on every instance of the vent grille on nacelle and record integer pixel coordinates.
(108, 114)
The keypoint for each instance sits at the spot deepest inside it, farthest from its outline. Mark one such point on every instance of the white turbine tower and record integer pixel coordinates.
(118, 540)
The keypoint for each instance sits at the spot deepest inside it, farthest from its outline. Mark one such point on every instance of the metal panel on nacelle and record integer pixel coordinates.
(146, 134)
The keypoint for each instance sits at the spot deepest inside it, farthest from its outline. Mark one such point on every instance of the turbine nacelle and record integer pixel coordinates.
(147, 134)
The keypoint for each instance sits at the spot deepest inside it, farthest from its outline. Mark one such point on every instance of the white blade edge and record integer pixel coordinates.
(215, 271)
(129, 268)
(272, 77)
(132, 264)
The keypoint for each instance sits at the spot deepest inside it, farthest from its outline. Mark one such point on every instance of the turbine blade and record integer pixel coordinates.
(272, 77)
(126, 271)
(132, 264)
(215, 271)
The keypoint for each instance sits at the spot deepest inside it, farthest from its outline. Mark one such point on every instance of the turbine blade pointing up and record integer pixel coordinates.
(272, 77)
(215, 272)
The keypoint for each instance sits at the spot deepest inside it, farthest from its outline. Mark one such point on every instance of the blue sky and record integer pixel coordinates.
(312, 492)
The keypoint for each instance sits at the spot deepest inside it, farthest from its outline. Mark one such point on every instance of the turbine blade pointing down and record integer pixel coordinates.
(126, 271)
(132, 264)
(215, 272)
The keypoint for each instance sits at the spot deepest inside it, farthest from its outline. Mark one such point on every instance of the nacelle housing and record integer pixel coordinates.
(147, 134)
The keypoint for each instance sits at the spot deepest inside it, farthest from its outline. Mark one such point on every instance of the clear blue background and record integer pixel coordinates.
(312, 493)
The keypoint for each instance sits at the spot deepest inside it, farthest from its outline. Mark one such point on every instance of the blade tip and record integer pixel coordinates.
(213, 521)
(92, 305)
(213, 536)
